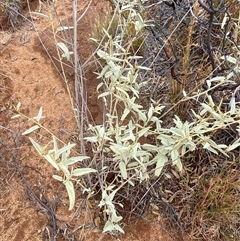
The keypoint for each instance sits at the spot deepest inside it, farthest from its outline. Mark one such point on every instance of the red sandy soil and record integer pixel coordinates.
(28, 76)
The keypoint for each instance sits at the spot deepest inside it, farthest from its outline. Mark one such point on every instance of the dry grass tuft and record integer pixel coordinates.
(13, 11)
(214, 208)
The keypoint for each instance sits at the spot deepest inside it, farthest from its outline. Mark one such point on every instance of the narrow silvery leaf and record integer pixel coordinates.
(176, 131)
(99, 86)
(130, 182)
(224, 21)
(123, 91)
(104, 94)
(174, 155)
(65, 50)
(150, 112)
(59, 178)
(75, 159)
(33, 128)
(103, 73)
(135, 57)
(41, 15)
(143, 67)
(217, 146)
(18, 106)
(102, 54)
(62, 28)
(178, 122)
(118, 228)
(207, 108)
(229, 58)
(109, 198)
(64, 169)
(133, 164)
(94, 40)
(138, 26)
(110, 187)
(196, 115)
(162, 159)
(71, 194)
(67, 57)
(178, 163)
(184, 93)
(115, 217)
(222, 146)
(123, 169)
(55, 146)
(208, 147)
(108, 227)
(150, 147)
(142, 115)
(39, 116)
(65, 148)
(92, 139)
(128, 137)
(37, 146)
(208, 83)
(118, 149)
(135, 92)
(64, 158)
(230, 75)
(233, 146)
(51, 160)
(112, 58)
(82, 171)
(211, 100)
(15, 116)
(233, 106)
(125, 113)
(218, 79)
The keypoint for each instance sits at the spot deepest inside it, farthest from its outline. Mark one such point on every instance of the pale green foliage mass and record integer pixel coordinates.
(61, 160)
(123, 132)
(121, 137)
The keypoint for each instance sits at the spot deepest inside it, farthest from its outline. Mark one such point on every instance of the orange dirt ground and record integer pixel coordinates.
(28, 76)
